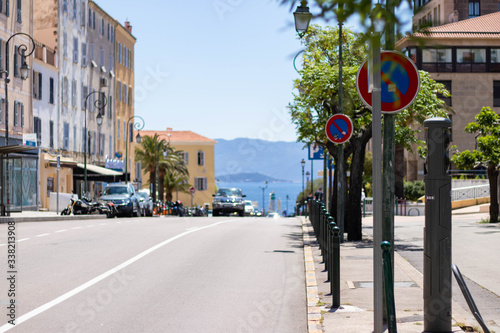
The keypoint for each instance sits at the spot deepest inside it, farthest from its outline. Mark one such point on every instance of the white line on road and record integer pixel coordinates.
(62, 230)
(104, 275)
(3, 244)
(42, 235)
(103, 224)
(90, 226)
(77, 228)
(22, 239)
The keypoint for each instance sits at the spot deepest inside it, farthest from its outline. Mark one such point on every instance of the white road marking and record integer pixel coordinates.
(77, 228)
(3, 244)
(90, 226)
(42, 235)
(22, 239)
(95, 280)
(103, 224)
(62, 230)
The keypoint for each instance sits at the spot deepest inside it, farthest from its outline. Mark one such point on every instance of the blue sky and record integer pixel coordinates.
(220, 68)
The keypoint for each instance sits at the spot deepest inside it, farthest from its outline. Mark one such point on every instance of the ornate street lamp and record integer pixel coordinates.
(137, 126)
(99, 103)
(302, 17)
(24, 73)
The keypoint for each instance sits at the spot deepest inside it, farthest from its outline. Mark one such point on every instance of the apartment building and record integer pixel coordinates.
(199, 159)
(465, 57)
(16, 119)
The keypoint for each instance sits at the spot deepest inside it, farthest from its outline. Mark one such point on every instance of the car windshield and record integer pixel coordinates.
(248, 203)
(115, 190)
(143, 195)
(229, 192)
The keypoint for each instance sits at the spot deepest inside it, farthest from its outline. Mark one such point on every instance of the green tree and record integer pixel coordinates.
(151, 154)
(487, 125)
(317, 100)
(175, 182)
(171, 168)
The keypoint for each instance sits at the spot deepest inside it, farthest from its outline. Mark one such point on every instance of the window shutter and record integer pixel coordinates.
(15, 113)
(16, 69)
(22, 114)
(40, 86)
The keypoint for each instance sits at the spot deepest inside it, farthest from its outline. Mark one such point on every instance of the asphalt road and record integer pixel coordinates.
(475, 251)
(226, 274)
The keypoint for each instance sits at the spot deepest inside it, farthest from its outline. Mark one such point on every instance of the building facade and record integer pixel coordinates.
(199, 159)
(465, 57)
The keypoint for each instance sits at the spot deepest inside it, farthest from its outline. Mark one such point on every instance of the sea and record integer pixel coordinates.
(253, 192)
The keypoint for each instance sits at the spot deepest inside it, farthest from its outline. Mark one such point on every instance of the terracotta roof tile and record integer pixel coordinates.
(178, 136)
(485, 26)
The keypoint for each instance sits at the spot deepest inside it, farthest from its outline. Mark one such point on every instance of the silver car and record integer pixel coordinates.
(146, 203)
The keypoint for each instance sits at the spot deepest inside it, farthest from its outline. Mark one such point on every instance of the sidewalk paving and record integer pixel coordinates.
(356, 273)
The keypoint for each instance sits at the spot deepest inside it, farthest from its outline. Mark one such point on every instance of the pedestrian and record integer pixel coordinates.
(319, 194)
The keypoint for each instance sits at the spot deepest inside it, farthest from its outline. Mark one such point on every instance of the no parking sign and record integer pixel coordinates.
(339, 128)
(400, 82)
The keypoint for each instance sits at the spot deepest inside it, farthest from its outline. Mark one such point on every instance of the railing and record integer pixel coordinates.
(470, 192)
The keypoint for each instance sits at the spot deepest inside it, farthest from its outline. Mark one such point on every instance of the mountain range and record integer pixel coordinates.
(255, 160)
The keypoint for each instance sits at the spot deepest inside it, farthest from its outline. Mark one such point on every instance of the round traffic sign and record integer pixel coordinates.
(400, 82)
(192, 190)
(339, 128)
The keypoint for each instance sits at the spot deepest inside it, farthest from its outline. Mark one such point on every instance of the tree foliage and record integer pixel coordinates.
(317, 100)
(487, 126)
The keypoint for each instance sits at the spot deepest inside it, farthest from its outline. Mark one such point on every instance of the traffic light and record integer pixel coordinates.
(438, 136)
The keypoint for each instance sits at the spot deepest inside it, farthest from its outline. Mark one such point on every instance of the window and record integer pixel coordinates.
(51, 134)
(437, 60)
(75, 50)
(118, 52)
(93, 20)
(21, 107)
(84, 54)
(109, 32)
(124, 131)
(74, 10)
(90, 18)
(65, 6)
(186, 158)
(130, 96)
(496, 93)
(16, 61)
(201, 158)
(19, 12)
(119, 129)
(118, 85)
(16, 113)
(112, 38)
(447, 85)
(471, 55)
(474, 8)
(66, 136)
(110, 60)
(101, 56)
(65, 44)
(7, 8)
(73, 93)
(200, 183)
(37, 85)
(65, 90)
(110, 104)
(74, 138)
(85, 92)
(51, 90)
(83, 13)
(130, 132)
(495, 56)
(102, 27)
(37, 128)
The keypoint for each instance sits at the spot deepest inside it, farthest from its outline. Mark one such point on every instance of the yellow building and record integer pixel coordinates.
(125, 118)
(199, 159)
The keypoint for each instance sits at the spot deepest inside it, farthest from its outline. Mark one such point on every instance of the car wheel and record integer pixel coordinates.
(215, 213)
(241, 213)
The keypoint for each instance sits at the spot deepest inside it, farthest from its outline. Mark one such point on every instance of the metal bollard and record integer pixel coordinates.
(389, 287)
(323, 234)
(335, 280)
(329, 246)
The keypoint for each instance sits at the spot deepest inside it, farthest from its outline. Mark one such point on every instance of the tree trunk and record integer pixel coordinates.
(152, 181)
(353, 202)
(399, 171)
(493, 180)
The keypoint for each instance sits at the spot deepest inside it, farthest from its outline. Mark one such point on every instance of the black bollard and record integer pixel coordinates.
(389, 287)
(335, 280)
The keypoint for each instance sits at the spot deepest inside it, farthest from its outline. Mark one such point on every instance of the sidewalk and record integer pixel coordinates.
(356, 273)
(38, 216)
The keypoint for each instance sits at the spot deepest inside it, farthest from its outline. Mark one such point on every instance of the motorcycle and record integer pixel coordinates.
(85, 207)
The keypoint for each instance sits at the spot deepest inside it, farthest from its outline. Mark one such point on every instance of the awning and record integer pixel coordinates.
(17, 149)
(99, 170)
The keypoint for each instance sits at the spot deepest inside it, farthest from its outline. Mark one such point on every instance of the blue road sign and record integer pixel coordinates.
(315, 152)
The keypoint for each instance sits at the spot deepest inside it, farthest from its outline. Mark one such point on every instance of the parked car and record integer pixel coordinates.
(146, 202)
(249, 208)
(124, 198)
(228, 200)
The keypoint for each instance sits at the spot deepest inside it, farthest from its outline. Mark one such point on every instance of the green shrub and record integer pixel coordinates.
(414, 190)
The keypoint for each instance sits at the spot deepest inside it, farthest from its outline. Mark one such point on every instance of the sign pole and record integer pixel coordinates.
(378, 298)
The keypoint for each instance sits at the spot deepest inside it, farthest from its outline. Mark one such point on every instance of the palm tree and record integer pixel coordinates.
(175, 181)
(150, 154)
(172, 163)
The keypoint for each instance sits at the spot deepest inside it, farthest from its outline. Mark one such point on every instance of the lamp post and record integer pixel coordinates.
(138, 126)
(303, 164)
(263, 206)
(99, 103)
(24, 73)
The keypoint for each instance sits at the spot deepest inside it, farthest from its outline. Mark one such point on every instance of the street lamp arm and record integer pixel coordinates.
(99, 103)
(137, 126)
(22, 47)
